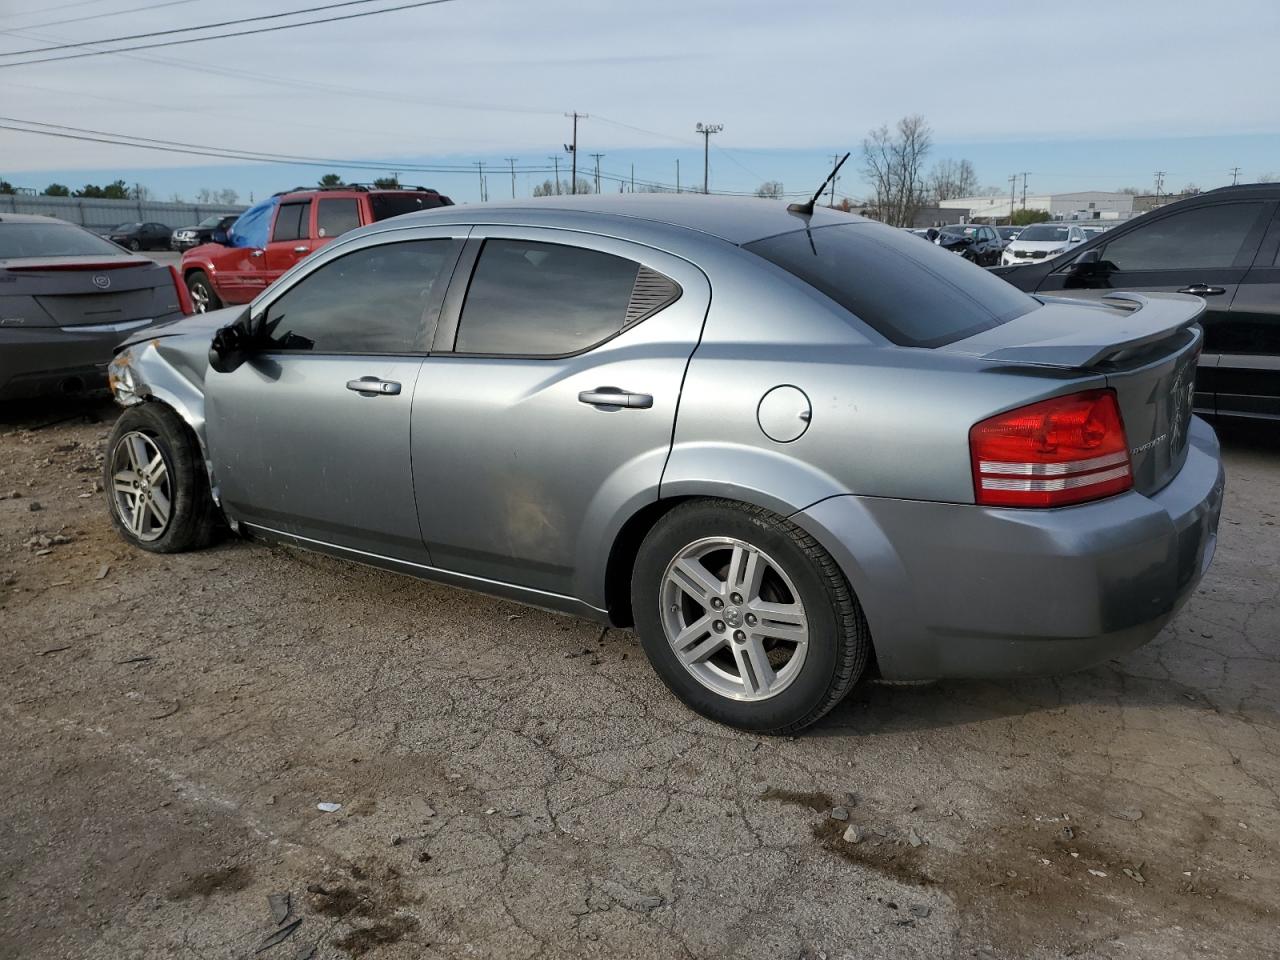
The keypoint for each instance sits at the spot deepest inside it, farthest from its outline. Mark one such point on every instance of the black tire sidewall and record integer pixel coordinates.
(200, 279)
(809, 689)
(187, 487)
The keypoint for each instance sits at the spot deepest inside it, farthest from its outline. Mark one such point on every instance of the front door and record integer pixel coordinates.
(552, 415)
(1204, 251)
(290, 239)
(310, 437)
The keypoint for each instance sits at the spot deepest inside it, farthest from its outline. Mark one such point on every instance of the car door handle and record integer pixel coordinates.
(256, 253)
(373, 387)
(1203, 290)
(614, 397)
(299, 249)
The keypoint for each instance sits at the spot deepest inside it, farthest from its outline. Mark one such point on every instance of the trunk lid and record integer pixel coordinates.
(1145, 345)
(84, 291)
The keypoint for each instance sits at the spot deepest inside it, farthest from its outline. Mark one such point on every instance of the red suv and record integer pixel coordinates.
(302, 221)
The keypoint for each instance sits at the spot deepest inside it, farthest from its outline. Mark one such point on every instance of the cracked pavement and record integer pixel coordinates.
(518, 784)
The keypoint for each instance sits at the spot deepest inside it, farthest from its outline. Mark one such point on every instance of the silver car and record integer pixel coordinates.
(788, 448)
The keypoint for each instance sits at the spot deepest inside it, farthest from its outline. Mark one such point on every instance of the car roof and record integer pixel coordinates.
(738, 220)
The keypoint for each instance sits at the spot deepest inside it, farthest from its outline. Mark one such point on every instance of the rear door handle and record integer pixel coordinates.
(299, 249)
(1203, 290)
(615, 397)
(373, 387)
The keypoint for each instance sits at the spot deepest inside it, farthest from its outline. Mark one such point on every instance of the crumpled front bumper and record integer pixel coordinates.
(958, 590)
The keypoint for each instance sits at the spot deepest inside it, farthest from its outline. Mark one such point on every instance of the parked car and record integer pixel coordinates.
(303, 221)
(140, 236)
(687, 414)
(1041, 241)
(1222, 245)
(184, 238)
(67, 298)
(975, 242)
(1008, 234)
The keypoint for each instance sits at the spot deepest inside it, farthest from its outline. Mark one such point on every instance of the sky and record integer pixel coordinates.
(1091, 96)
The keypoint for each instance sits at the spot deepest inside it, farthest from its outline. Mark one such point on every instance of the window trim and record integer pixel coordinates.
(460, 288)
(432, 306)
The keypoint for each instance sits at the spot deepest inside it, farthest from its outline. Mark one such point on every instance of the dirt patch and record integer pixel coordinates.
(814, 800)
(360, 941)
(223, 880)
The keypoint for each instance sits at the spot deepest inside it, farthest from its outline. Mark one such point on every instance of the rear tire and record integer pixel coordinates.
(770, 634)
(155, 482)
(203, 296)
(134, 245)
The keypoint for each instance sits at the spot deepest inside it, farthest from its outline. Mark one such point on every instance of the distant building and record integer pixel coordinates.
(1145, 202)
(1086, 205)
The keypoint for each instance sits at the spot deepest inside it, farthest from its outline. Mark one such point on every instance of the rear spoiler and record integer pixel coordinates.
(1078, 339)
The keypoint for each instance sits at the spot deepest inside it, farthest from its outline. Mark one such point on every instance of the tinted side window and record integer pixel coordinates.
(1201, 238)
(369, 301)
(913, 294)
(336, 215)
(292, 222)
(543, 299)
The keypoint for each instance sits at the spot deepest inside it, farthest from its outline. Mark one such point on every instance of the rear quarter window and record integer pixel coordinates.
(913, 294)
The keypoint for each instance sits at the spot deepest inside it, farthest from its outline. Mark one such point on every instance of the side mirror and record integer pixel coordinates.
(231, 345)
(219, 236)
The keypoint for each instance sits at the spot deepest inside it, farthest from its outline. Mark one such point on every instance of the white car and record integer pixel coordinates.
(1042, 240)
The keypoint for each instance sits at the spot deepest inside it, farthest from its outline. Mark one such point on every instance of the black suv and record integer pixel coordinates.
(1224, 246)
(973, 241)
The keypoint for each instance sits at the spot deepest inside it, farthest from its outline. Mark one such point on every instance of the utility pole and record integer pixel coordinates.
(480, 169)
(1235, 175)
(1159, 184)
(1025, 173)
(633, 178)
(572, 149)
(597, 157)
(556, 161)
(835, 162)
(707, 129)
(512, 161)
(1013, 193)
(677, 174)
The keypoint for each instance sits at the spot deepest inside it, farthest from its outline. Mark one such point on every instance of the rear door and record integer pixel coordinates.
(1248, 360)
(310, 437)
(290, 239)
(1204, 251)
(547, 410)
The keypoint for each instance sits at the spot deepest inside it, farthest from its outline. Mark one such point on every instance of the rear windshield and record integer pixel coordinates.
(386, 205)
(51, 240)
(1044, 232)
(914, 294)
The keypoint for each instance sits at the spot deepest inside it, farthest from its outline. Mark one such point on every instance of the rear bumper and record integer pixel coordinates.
(42, 361)
(955, 590)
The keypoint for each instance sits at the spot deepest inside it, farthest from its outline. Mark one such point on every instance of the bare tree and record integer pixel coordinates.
(204, 195)
(139, 192)
(950, 179)
(1131, 191)
(770, 190)
(1190, 190)
(227, 196)
(893, 162)
(1267, 178)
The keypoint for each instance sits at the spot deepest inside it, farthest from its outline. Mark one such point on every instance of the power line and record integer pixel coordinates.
(170, 32)
(238, 33)
(99, 16)
(1235, 175)
(61, 6)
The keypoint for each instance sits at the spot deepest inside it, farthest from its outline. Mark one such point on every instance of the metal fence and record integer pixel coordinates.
(100, 215)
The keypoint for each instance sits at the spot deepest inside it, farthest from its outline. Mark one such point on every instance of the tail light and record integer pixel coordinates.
(1053, 453)
(184, 295)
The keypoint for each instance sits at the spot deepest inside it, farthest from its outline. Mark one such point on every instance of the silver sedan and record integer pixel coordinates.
(790, 447)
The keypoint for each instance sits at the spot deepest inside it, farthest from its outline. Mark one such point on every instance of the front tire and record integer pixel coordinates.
(746, 618)
(203, 296)
(135, 246)
(155, 482)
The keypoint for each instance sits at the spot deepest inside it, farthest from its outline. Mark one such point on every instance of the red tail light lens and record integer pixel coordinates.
(184, 295)
(1053, 453)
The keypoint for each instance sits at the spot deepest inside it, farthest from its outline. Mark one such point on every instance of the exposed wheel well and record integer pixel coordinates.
(622, 559)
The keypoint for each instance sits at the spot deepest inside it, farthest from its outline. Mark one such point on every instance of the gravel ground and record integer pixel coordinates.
(515, 783)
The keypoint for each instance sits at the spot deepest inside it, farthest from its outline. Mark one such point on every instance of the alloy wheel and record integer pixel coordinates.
(734, 619)
(141, 488)
(199, 298)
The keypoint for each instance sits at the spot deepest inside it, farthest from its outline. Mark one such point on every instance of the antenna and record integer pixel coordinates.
(806, 209)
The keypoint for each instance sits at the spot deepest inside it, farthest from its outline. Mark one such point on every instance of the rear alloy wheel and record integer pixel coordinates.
(746, 618)
(156, 486)
(203, 298)
(134, 245)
